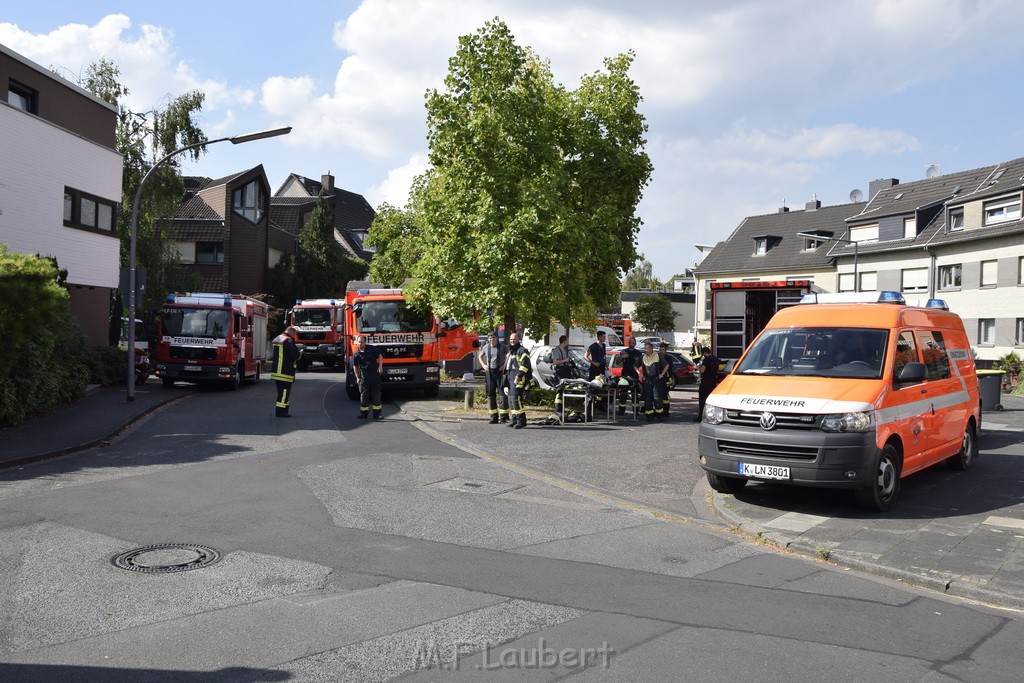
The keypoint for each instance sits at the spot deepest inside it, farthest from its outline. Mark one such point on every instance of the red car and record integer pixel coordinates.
(684, 372)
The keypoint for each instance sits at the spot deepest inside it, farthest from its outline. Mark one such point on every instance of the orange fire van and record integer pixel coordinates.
(844, 392)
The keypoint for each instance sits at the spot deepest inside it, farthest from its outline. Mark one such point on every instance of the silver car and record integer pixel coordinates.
(544, 371)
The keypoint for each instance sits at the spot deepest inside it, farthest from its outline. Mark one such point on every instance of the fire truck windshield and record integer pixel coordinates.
(313, 317)
(195, 322)
(393, 316)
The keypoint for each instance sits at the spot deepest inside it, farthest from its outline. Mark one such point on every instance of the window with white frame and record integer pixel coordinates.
(915, 280)
(209, 252)
(987, 331)
(1018, 335)
(248, 201)
(1002, 210)
(949, 276)
(868, 282)
(846, 282)
(988, 273)
(864, 233)
(811, 244)
(956, 219)
(760, 246)
(1020, 271)
(910, 228)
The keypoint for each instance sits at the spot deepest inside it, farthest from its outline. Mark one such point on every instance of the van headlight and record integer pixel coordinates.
(714, 415)
(847, 422)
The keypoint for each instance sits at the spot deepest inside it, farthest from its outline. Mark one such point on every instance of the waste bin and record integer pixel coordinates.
(990, 386)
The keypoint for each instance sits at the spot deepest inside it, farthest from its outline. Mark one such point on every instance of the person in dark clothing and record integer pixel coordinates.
(708, 370)
(286, 353)
(665, 376)
(368, 365)
(519, 372)
(631, 361)
(653, 366)
(596, 355)
(492, 359)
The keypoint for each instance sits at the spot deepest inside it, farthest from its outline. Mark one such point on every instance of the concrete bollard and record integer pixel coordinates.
(467, 399)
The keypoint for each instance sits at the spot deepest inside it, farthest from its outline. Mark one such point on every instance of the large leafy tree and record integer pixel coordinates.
(654, 313)
(396, 234)
(528, 208)
(143, 138)
(641, 276)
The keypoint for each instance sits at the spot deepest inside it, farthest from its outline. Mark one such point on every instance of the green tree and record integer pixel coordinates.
(396, 235)
(641, 276)
(654, 313)
(323, 268)
(142, 139)
(528, 208)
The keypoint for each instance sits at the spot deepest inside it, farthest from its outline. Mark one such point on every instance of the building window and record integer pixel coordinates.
(987, 332)
(1018, 335)
(1020, 271)
(1002, 210)
(909, 228)
(868, 282)
(915, 280)
(22, 97)
(209, 252)
(864, 233)
(988, 273)
(83, 210)
(949, 276)
(812, 244)
(248, 201)
(760, 246)
(846, 282)
(956, 219)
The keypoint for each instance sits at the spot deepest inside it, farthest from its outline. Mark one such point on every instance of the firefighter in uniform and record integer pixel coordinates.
(665, 377)
(492, 358)
(653, 366)
(631, 360)
(518, 372)
(368, 366)
(286, 353)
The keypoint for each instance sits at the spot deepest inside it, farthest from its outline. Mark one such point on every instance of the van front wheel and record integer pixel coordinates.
(881, 495)
(725, 484)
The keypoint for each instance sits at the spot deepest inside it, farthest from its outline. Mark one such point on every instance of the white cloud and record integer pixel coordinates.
(394, 189)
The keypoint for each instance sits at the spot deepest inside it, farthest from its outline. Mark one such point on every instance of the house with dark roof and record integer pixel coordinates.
(958, 237)
(223, 232)
(296, 198)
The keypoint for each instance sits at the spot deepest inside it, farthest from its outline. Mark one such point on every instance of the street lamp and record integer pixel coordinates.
(824, 236)
(235, 140)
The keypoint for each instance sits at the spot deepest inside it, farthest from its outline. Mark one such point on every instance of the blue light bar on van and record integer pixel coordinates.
(885, 297)
(170, 298)
(362, 292)
(937, 303)
(298, 301)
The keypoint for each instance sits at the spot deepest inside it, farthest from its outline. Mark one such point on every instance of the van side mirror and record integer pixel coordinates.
(913, 373)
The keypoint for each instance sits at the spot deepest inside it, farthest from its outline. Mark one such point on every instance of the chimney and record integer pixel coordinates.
(783, 208)
(814, 204)
(876, 186)
(328, 182)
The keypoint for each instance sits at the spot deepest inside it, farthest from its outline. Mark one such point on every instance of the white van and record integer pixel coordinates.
(578, 337)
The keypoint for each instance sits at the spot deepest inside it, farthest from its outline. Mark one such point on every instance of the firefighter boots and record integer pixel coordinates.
(494, 419)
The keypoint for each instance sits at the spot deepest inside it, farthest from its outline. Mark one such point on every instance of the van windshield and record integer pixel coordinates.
(856, 353)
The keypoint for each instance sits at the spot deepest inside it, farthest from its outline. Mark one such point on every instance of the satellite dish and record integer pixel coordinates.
(932, 171)
(856, 195)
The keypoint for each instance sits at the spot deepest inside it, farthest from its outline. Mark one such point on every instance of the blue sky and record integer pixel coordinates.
(750, 102)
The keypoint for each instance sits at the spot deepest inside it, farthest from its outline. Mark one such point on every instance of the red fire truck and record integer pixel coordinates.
(740, 310)
(204, 337)
(321, 326)
(406, 336)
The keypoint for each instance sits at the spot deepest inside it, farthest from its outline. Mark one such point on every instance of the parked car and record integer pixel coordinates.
(640, 341)
(544, 371)
(684, 372)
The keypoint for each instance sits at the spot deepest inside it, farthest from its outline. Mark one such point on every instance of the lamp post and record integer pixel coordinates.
(826, 237)
(235, 140)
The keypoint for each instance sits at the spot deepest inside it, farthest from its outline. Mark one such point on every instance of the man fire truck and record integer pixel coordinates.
(406, 336)
(321, 326)
(204, 337)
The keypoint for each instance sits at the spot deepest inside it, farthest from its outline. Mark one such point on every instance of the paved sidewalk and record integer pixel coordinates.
(101, 414)
(961, 533)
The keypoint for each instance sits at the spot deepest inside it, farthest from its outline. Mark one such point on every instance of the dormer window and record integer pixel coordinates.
(811, 244)
(956, 219)
(760, 246)
(249, 201)
(1002, 210)
(864, 233)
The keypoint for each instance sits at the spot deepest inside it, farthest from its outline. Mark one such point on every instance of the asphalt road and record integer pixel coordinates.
(360, 550)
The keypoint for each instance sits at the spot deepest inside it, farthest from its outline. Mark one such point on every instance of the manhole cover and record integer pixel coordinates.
(166, 558)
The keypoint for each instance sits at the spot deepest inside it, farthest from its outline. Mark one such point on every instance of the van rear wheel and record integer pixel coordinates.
(968, 450)
(881, 495)
(725, 484)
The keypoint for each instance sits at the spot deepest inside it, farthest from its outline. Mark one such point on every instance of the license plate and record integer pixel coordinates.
(763, 471)
(192, 368)
(398, 371)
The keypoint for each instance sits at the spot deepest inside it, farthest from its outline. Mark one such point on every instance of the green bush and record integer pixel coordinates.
(544, 398)
(106, 365)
